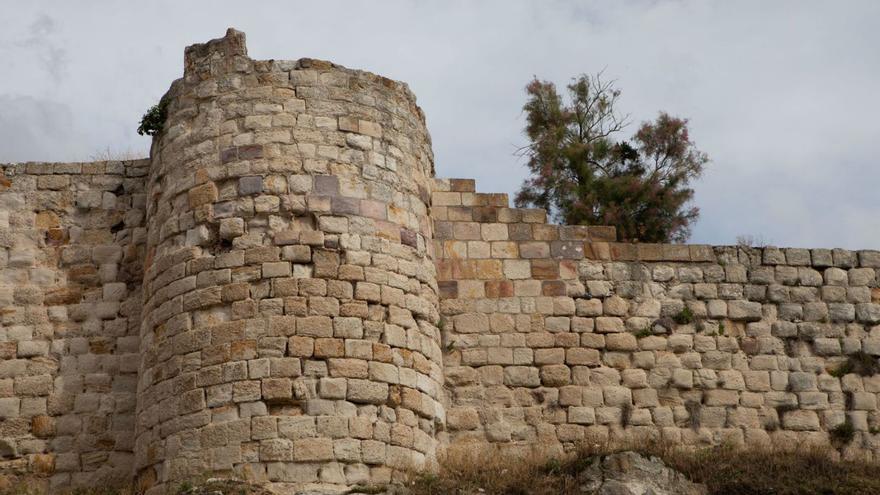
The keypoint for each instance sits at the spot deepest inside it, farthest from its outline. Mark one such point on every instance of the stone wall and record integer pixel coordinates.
(283, 292)
(71, 258)
(554, 335)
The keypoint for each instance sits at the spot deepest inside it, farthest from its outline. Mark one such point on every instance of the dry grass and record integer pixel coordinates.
(483, 471)
(109, 154)
(202, 486)
(36, 486)
(725, 470)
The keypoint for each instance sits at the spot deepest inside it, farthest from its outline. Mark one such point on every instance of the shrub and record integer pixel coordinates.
(645, 332)
(859, 363)
(684, 317)
(842, 433)
(154, 120)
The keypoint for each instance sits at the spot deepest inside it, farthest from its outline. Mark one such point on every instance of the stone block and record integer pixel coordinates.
(250, 185)
(800, 420)
(9, 407)
(521, 376)
(744, 310)
(366, 391)
(202, 194)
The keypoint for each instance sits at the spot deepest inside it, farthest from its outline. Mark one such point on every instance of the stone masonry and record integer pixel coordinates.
(284, 292)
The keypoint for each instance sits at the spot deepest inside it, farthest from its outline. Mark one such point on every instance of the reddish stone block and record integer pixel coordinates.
(463, 269)
(462, 185)
(553, 288)
(545, 269)
(374, 209)
(448, 289)
(492, 199)
(485, 214)
(444, 269)
(409, 238)
(499, 288)
(250, 152)
(228, 155)
(8, 350)
(602, 233)
(623, 251)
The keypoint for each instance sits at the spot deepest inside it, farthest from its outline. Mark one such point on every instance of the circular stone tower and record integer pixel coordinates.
(289, 331)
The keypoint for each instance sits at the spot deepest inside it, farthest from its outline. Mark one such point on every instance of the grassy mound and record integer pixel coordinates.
(724, 470)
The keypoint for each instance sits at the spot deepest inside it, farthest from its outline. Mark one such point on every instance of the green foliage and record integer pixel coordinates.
(553, 466)
(684, 317)
(859, 363)
(219, 486)
(844, 369)
(645, 332)
(376, 489)
(583, 174)
(694, 410)
(721, 328)
(843, 433)
(154, 120)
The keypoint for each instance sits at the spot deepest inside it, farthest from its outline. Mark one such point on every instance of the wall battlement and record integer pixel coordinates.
(284, 292)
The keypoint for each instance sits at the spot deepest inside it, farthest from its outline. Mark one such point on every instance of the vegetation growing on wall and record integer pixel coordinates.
(153, 121)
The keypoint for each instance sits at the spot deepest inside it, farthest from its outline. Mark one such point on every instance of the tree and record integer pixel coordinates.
(582, 174)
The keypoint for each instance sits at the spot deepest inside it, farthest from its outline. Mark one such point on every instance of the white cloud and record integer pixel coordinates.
(782, 95)
(34, 129)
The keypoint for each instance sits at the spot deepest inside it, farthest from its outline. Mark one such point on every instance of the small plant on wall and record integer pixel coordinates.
(154, 120)
(684, 317)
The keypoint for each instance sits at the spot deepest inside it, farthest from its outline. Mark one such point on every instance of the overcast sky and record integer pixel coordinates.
(783, 96)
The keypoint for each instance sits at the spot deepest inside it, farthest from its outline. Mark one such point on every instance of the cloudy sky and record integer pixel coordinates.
(783, 95)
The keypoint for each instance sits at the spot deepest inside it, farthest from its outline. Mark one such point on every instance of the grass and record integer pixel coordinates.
(843, 433)
(859, 363)
(645, 332)
(213, 486)
(725, 470)
(684, 317)
(31, 486)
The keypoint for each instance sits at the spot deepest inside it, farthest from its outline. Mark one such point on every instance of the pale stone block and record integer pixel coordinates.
(521, 376)
(800, 420)
(312, 449)
(366, 391)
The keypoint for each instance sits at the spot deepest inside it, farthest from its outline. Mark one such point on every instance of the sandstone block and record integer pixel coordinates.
(366, 391)
(463, 418)
(744, 310)
(521, 376)
(800, 420)
(202, 194)
(9, 407)
(555, 375)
